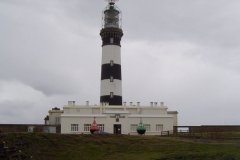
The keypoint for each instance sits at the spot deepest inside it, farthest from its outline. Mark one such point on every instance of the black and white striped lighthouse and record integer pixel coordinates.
(111, 34)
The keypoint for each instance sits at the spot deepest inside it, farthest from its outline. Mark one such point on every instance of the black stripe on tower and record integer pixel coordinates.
(115, 100)
(108, 33)
(109, 70)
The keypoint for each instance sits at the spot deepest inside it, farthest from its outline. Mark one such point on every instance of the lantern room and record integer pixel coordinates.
(111, 16)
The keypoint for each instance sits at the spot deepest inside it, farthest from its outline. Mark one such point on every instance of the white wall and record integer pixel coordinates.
(105, 115)
(55, 117)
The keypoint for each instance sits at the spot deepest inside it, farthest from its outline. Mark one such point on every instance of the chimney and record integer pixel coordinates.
(162, 104)
(151, 104)
(138, 104)
(87, 103)
(71, 103)
(124, 103)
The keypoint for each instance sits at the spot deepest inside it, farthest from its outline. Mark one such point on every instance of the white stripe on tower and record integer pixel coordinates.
(110, 87)
(111, 52)
(111, 78)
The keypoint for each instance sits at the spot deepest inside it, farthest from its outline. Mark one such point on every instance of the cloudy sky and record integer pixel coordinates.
(183, 52)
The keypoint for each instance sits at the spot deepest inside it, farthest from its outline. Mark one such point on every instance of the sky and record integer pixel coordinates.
(181, 52)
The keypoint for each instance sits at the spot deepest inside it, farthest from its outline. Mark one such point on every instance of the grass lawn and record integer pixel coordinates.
(113, 147)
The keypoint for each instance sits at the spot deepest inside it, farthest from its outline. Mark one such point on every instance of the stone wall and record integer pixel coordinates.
(12, 128)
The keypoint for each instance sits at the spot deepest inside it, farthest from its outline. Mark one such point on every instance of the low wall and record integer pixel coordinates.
(207, 128)
(11, 128)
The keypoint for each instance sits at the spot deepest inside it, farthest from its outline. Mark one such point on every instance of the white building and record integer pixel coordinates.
(54, 117)
(77, 119)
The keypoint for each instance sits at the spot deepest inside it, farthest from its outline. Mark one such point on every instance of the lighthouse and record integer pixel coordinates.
(117, 117)
(111, 77)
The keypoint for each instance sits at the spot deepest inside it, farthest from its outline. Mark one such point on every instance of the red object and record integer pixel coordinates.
(94, 127)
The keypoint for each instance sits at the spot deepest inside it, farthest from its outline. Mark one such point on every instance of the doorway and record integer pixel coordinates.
(117, 129)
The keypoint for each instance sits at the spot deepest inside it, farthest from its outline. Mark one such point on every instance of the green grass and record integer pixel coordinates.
(113, 147)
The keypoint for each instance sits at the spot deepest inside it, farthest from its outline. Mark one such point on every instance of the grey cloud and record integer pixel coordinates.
(206, 22)
(19, 112)
(49, 56)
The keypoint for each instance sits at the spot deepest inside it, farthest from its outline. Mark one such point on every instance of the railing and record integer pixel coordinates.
(167, 133)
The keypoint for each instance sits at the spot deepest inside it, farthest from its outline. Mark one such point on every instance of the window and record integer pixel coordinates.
(117, 117)
(111, 40)
(87, 127)
(159, 127)
(101, 127)
(147, 126)
(111, 79)
(74, 127)
(133, 127)
(57, 120)
(111, 63)
(111, 95)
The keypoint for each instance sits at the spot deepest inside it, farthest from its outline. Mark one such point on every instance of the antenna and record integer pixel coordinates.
(111, 1)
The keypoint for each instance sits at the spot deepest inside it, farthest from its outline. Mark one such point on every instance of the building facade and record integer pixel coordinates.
(54, 117)
(77, 119)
